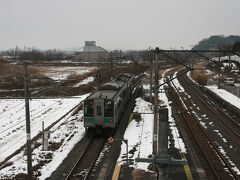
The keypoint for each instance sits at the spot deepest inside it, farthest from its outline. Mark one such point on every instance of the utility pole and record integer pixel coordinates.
(150, 75)
(151, 80)
(156, 51)
(111, 64)
(229, 62)
(189, 61)
(28, 129)
(219, 69)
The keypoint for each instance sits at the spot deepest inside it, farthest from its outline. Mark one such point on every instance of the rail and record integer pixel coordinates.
(83, 166)
(213, 156)
(232, 124)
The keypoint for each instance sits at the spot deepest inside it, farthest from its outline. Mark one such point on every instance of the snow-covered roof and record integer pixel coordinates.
(93, 49)
(108, 94)
(90, 46)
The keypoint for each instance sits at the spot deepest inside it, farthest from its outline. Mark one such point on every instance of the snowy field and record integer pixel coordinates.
(62, 72)
(13, 132)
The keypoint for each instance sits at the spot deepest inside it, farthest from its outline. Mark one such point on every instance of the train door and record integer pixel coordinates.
(99, 111)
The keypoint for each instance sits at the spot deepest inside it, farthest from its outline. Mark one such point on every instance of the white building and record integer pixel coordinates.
(91, 52)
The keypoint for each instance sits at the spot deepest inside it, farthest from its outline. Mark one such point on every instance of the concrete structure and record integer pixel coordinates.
(91, 52)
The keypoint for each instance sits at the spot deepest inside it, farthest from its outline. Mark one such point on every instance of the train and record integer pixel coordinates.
(104, 108)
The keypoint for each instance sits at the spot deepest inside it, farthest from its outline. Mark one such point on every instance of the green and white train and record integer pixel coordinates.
(104, 108)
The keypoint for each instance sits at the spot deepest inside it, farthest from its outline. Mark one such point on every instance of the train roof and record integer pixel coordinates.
(117, 82)
(110, 89)
(108, 94)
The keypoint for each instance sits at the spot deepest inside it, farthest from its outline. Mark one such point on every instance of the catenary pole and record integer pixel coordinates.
(156, 51)
(151, 79)
(219, 70)
(28, 129)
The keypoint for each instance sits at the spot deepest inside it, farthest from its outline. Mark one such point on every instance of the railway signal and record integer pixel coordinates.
(110, 139)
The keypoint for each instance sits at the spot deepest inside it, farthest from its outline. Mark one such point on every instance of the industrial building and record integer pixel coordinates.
(91, 53)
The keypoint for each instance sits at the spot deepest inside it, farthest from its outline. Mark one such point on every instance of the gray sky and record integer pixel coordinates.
(115, 24)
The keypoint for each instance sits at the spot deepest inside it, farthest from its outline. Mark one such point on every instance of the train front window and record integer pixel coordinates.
(89, 108)
(108, 108)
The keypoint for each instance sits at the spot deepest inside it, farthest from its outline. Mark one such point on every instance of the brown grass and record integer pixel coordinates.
(67, 89)
(133, 68)
(11, 71)
(200, 75)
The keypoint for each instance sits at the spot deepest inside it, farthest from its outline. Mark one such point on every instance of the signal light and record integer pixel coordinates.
(91, 102)
(86, 120)
(110, 120)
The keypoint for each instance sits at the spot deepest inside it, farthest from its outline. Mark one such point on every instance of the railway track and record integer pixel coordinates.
(83, 166)
(220, 166)
(231, 110)
(228, 121)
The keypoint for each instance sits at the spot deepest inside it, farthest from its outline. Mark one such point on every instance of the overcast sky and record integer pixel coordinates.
(115, 24)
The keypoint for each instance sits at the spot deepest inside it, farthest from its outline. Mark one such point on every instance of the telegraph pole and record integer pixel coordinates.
(111, 64)
(151, 80)
(155, 129)
(219, 69)
(28, 129)
(151, 69)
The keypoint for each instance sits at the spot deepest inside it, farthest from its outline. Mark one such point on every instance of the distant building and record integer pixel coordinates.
(91, 52)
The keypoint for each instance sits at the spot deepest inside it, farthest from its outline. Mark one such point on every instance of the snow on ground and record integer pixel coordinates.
(233, 65)
(62, 72)
(234, 58)
(227, 96)
(178, 141)
(234, 100)
(13, 132)
(140, 133)
(85, 81)
(209, 72)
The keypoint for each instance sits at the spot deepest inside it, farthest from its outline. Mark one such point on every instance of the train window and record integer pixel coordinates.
(89, 108)
(108, 108)
(99, 111)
